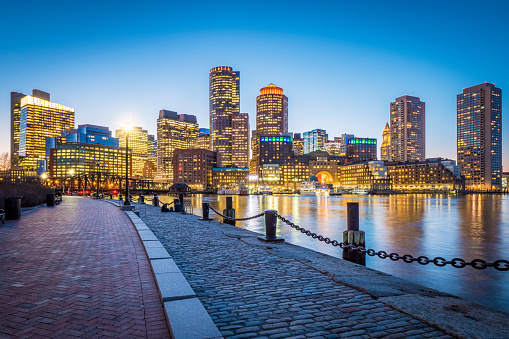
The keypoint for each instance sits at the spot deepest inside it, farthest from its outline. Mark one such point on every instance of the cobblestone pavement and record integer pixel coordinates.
(249, 292)
(76, 270)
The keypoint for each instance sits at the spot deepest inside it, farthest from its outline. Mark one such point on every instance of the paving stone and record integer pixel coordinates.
(173, 286)
(188, 319)
(244, 285)
(164, 266)
(77, 270)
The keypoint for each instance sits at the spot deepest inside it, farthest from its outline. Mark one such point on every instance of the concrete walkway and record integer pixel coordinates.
(253, 290)
(77, 270)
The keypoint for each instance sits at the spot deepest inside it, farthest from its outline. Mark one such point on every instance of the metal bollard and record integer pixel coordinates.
(155, 201)
(352, 235)
(229, 211)
(270, 228)
(205, 212)
(141, 199)
(176, 205)
(181, 199)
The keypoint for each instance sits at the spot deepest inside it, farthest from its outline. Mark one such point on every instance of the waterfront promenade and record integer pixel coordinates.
(77, 270)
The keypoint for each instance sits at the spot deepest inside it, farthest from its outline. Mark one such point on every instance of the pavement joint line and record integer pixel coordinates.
(189, 321)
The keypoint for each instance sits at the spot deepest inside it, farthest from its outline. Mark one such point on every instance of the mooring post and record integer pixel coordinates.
(205, 212)
(270, 227)
(176, 205)
(155, 201)
(352, 235)
(181, 199)
(229, 211)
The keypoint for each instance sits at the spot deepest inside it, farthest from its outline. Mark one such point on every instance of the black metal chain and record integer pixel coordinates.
(499, 265)
(236, 219)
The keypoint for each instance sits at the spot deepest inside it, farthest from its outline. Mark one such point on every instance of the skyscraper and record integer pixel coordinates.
(15, 114)
(407, 126)
(385, 149)
(38, 118)
(240, 140)
(479, 117)
(224, 101)
(271, 111)
(174, 131)
(314, 140)
(141, 146)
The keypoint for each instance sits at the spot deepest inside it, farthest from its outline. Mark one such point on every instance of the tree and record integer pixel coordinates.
(5, 161)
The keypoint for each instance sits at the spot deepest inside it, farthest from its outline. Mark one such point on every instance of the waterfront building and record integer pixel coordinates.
(202, 141)
(20, 175)
(479, 134)
(37, 118)
(298, 144)
(222, 177)
(193, 167)
(173, 131)
(77, 159)
(253, 163)
(314, 140)
(368, 175)
(385, 149)
(407, 129)
(358, 149)
(333, 147)
(434, 174)
(141, 146)
(326, 170)
(224, 101)
(240, 140)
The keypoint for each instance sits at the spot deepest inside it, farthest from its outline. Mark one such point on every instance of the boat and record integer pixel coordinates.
(360, 191)
(264, 189)
(243, 189)
(314, 188)
(228, 190)
(321, 190)
(307, 188)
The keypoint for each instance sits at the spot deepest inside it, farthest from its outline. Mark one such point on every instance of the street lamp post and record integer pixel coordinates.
(71, 172)
(127, 128)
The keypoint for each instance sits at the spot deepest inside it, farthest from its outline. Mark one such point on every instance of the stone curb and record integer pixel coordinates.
(185, 314)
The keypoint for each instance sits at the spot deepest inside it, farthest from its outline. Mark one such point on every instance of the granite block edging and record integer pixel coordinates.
(185, 314)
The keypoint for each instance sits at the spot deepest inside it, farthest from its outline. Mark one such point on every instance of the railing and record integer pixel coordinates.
(270, 230)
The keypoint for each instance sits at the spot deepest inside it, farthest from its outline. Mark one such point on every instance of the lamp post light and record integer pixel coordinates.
(44, 176)
(127, 127)
(71, 172)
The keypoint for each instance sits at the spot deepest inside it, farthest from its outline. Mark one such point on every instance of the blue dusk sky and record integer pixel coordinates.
(339, 63)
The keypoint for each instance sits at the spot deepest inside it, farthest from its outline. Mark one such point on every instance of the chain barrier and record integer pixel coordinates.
(479, 264)
(236, 219)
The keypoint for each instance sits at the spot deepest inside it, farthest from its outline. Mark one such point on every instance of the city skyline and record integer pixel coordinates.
(325, 73)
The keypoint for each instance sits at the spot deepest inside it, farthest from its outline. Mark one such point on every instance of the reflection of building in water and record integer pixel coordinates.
(431, 175)
(409, 209)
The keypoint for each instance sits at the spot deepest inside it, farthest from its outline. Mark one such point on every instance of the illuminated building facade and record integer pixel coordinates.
(314, 140)
(173, 131)
(298, 144)
(429, 175)
(358, 149)
(385, 149)
(141, 146)
(20, 175)
(479, 144)
(371, 175)
(240, 140)
(271, 111)
(87, 160)
(38, 118)
(15, 115)
(407, 132)
(193, 167)
(229, 176)
(203, 139)
(333, 147)
(224, 101)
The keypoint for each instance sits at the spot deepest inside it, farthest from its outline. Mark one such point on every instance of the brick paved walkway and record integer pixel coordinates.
(76, 270)
(249, 292)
